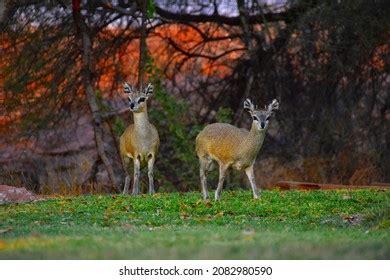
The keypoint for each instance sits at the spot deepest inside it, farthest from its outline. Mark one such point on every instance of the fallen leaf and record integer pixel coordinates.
(219, 214)
(208, 204)
(184, 215)
(248, 234)
(184, 207)
(353, 220)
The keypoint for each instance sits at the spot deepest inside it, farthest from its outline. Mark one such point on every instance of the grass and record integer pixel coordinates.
(281, 225)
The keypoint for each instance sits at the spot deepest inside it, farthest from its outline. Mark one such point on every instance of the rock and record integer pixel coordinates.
(9, 194)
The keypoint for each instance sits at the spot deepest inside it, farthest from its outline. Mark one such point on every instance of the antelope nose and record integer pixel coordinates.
(131, 105)
(262, 125)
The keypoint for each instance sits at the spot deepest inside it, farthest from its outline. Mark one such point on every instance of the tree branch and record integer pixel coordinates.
(188, 54)
(120, 10)
(87, 70)
(234, 21)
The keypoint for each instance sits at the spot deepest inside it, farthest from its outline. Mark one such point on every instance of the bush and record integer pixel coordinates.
(176, 164)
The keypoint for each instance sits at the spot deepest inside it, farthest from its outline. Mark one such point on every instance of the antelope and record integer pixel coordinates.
(231, 146)
(140, 141)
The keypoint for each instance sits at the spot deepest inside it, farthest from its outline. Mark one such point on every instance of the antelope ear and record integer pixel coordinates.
(127, 88)
(148, 90)
(249, 106)
(274, 105)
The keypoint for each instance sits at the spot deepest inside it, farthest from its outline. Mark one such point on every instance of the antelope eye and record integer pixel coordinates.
(267, 118)
(142, 99)
(255, 118)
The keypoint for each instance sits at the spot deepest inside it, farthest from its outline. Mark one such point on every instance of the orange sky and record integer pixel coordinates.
(125, 59)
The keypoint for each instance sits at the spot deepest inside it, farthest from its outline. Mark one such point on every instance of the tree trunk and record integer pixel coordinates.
(142, 46)
(252, 51)
(2, 11)
(87, 70)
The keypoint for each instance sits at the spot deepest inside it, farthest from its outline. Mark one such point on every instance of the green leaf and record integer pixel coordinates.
(150, 9)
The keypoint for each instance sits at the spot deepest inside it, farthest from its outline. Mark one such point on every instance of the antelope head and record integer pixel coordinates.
(261, 117)
(138, 98)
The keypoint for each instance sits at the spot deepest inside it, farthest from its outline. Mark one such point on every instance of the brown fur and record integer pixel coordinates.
(140, 141)
(133, 144)
(231, 146)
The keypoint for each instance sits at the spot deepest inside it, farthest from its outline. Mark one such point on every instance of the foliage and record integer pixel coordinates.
(327, 62)
(293, 224)
(150, 9)
(224, 115)
(119, 126)
(177, 163)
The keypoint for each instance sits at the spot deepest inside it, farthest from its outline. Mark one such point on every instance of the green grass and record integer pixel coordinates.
(281, 225)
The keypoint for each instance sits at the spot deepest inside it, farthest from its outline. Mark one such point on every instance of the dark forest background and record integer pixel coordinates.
(63, 64)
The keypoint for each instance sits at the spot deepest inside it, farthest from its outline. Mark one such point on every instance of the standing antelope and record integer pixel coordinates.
(140, 141)
(232, 146)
